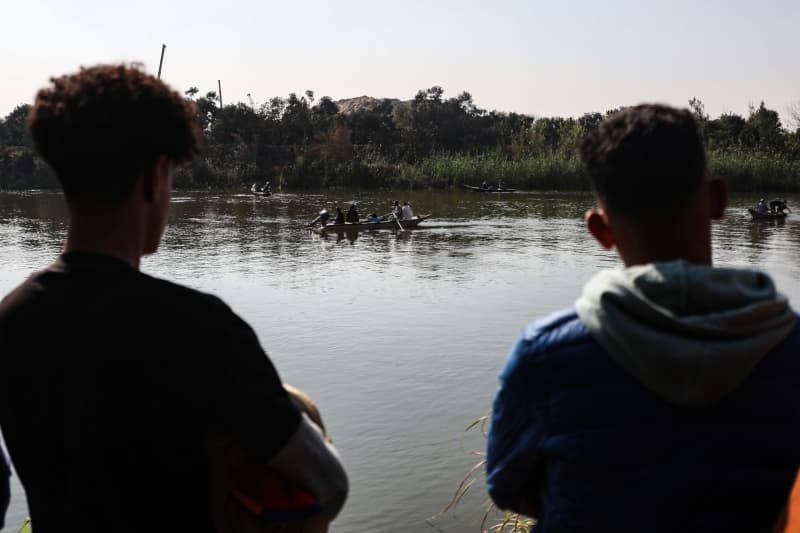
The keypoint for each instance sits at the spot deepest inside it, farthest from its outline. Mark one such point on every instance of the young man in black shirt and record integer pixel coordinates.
(112, 382)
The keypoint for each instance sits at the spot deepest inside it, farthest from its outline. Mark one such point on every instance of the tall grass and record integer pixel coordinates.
(442, 171)
(746, 171)
(494, 520)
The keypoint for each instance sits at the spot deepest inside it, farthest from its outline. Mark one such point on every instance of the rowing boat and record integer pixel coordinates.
(410, 223)
(778, 215)
(490, 189)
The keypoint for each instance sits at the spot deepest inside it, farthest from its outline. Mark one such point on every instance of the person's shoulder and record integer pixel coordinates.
(183, 295)
(554, 341)
(23, 294)
(559, 329)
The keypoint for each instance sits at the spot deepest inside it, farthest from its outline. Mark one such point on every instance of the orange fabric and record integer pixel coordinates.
(789, 521)
(265, 493)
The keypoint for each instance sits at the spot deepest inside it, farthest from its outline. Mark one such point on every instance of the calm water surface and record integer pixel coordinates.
(398, 336)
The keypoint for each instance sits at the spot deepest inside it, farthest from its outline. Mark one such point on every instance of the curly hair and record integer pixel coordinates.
(101, 127)
(646, 160)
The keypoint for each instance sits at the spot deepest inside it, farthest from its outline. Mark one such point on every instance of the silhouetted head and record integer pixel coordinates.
(645, 161)
(647, 166)
(103, 127)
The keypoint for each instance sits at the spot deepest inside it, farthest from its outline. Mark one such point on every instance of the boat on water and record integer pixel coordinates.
(409, 223)
(263, 190)
(777, 215)
(487, 189)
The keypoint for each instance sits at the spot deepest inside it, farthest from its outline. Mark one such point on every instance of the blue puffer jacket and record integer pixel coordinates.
(595, 444)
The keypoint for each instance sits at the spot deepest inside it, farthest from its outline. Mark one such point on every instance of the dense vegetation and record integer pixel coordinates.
(429, 142)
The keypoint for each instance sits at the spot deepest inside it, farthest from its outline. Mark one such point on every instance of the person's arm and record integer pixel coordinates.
(308, 460)
(513, 463)
(254, 410)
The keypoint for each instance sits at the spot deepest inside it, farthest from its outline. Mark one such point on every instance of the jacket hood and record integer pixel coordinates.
(690, 333)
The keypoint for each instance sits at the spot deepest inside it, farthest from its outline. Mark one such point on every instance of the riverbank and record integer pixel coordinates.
(746, 171)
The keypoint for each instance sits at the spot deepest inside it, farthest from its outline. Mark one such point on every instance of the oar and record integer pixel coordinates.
(313, 222)
(399, 224)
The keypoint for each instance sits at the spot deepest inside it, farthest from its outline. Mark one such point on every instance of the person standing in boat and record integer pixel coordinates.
(137, 377)
(777, 206)
(339, 216)
(665, 399)
(352, 214)
(762, 208)
(407, 212)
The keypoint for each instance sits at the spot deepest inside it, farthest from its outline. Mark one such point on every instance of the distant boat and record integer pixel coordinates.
(778, 215)
(266, 190)
(409, 223)
(489, 189)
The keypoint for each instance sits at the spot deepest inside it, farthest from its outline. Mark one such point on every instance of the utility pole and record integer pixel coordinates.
(219, 85)
(161, 62)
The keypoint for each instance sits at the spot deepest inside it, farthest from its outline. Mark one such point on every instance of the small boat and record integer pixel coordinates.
(264, 190)
(489, 189)
(410, 223)
(778, 215)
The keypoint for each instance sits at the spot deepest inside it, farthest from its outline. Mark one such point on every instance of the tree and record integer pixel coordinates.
(14, 128)
(698, 110)
(794, 115)
(725, 132)
(323, 115)
(764, 130)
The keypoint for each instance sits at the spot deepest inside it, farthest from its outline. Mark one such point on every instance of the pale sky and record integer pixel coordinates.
(542, 57)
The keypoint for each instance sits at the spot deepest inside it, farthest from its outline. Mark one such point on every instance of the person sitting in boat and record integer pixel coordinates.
(373, 217)
(267, 187)
(254, 188)
(407, 212)
(762, 208)
(352, 214)
(398, 211)
(339, 216)
(501, 185)
(323, 218)
(485, 185)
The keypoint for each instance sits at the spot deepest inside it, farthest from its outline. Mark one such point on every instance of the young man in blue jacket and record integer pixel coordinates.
(668, 397)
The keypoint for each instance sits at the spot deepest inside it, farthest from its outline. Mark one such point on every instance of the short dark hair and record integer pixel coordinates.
(101, 127)
(645, 160)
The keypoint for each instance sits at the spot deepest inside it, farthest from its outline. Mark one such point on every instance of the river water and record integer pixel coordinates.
(398, 336)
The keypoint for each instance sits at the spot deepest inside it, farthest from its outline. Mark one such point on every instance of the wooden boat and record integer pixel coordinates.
(778, 215)
(262, 193)
(410, 223)
(490, 189)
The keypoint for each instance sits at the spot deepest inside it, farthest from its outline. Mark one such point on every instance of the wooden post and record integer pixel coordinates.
(219, 85)
(161, 62)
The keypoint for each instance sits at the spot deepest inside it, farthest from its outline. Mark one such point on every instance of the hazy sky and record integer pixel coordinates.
(545, 57)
